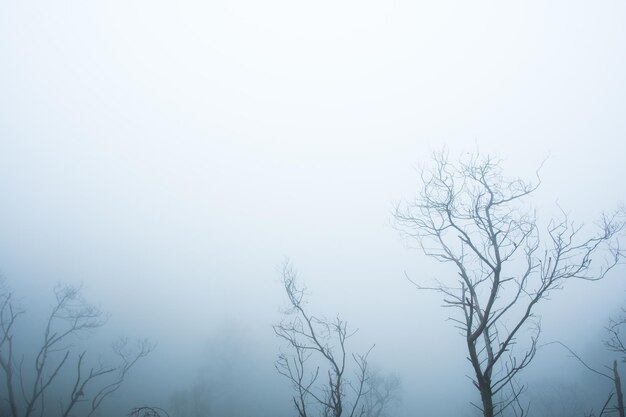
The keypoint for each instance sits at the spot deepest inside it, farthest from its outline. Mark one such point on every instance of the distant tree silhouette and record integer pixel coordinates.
(193, 402)
(381, 393)
(148, 412)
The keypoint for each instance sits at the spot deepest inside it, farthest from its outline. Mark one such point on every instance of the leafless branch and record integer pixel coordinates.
(70, 317)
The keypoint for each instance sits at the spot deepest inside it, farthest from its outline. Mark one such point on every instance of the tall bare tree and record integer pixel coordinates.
(470, 215)
(318, 361)
(30, 384)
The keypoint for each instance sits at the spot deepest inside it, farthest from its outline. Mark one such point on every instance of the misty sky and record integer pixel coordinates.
(170, 155)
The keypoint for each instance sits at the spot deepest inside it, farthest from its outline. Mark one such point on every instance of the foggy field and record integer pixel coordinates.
(323, 209)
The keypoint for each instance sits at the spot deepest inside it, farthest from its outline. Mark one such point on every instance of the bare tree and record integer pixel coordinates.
(470, 215)
(27, 386)
(318, 361)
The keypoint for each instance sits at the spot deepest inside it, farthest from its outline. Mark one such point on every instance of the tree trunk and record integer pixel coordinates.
(618, 390)
(487, 398)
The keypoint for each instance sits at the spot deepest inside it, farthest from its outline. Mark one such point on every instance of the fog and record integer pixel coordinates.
(169, 157)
